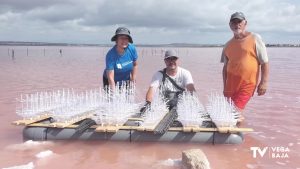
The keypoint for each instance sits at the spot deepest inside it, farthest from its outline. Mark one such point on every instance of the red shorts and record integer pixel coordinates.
(241, 99)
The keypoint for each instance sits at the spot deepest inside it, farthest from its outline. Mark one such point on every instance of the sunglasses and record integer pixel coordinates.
(236, 21)
(171, 58)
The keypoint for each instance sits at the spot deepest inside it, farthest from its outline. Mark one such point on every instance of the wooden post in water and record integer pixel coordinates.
(13, 54)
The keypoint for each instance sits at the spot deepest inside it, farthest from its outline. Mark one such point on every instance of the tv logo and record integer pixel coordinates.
(260, 151)
(273, 152)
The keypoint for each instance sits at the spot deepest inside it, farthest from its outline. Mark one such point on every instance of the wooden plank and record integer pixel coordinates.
(151, 128)
(69, 122)
(110, 129)
(135, 119)
(189, 128)
(234, 129)
(26, 122)
(100, 128)
(203, 129)
(141, 128)
(224, 129)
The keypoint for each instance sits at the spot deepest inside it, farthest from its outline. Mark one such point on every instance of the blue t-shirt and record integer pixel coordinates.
(121, 64)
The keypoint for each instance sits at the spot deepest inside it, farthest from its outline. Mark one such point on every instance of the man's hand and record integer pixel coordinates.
(261, 88)
(145, 107)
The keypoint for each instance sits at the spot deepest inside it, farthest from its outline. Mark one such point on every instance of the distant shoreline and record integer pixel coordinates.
(12, 43)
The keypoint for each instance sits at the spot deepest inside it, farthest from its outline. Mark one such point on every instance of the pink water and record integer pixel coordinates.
(274, 117)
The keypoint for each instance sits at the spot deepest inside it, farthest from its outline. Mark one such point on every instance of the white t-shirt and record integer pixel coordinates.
(182, 78)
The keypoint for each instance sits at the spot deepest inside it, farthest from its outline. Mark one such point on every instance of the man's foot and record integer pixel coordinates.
(238, 115)
(241, 118)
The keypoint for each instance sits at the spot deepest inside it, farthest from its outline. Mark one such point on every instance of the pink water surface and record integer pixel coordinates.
(274, 117)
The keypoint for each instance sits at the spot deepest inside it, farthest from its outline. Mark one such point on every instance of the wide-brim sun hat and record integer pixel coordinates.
(122, 31)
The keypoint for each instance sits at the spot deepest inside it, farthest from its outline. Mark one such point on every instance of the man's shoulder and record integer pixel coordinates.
(256, 35)
(159, 71)
(183, 71)
(257, 38)
(157, 75)
(228, 42)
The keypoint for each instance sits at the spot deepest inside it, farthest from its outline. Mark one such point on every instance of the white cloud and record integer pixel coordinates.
(150, 21)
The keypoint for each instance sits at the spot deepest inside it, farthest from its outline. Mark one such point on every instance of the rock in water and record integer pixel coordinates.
(194, 159)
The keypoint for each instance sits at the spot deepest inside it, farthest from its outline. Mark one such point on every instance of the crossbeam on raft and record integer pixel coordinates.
(69, 122)
(110, 129)
(31, 120)
(153, 127)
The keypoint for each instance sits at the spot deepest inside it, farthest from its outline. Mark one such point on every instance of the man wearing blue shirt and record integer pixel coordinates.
(121, 60)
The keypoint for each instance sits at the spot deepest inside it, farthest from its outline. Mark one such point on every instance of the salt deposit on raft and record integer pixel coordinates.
(25, 166)
(44, 154)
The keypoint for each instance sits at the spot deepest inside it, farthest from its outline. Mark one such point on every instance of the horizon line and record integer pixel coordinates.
(28, 43)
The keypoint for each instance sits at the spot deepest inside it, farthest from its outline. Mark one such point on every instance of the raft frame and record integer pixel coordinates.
(43, 129)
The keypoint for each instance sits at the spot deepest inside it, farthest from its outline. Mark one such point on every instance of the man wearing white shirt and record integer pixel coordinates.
(171, 81)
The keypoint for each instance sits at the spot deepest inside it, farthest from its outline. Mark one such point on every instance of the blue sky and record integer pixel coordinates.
(150, 21)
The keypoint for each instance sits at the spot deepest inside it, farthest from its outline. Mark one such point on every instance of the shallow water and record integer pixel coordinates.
(274, 117)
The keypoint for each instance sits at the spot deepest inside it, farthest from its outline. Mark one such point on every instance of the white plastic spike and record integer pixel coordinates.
(66, 104)
(116, 106)
(157, 111)
(190, 110)
(221, 111)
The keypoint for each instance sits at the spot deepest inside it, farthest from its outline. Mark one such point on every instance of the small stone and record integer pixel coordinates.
(194, 159)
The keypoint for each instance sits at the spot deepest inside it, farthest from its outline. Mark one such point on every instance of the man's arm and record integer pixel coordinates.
(262, 87)
(149, 95)
(224, 75)
(190, 87)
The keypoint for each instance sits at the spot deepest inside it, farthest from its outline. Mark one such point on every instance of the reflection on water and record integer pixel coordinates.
(273, 116)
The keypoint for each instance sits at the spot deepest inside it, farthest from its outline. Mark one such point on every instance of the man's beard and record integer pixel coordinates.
(237, 31)
(172, 67)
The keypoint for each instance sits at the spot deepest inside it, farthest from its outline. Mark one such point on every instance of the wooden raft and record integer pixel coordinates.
(36, 122)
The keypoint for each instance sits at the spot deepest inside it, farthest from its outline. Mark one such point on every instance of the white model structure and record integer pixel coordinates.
(222, 111)
(104, 106)
(190, 110)
(117, 105)
(156, 111)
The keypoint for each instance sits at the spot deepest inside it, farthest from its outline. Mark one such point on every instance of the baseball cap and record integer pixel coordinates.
(171, 53)
(238, 15)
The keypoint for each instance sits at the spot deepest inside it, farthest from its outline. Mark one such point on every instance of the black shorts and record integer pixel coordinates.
(106, 84)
